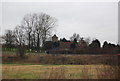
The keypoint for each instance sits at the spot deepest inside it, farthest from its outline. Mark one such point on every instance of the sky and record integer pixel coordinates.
(88, 19)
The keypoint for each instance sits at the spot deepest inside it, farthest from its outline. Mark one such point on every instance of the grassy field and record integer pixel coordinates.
(26, 71)
(48, 66)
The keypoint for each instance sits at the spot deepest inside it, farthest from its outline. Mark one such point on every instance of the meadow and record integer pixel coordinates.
(17, 71)
(43, 66)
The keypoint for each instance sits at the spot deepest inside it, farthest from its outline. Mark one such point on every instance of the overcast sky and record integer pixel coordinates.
(89, 19)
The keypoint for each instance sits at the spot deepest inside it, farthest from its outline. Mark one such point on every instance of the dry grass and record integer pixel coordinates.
(12, 71)
(108, 72)
(60, 59)
(88, 67)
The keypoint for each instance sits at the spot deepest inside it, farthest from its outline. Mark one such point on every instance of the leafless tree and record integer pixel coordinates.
(81, 40)
(19, 34)
(87, 40)
(38, 27)
(44, 25)
(9, 38)
(28, 24)
(33, 31)
(75, 36)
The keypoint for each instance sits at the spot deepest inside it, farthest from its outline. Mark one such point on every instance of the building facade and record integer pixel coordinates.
(54, 38)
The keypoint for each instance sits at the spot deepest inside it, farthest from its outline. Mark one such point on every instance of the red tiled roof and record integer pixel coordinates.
(65, 45)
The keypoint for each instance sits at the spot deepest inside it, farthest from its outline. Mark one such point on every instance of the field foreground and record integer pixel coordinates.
(49, 66)
(26, 71)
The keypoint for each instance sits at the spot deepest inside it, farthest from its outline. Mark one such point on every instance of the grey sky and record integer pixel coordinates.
(89, 19)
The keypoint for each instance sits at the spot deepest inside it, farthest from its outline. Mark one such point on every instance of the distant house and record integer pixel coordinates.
(65, 47)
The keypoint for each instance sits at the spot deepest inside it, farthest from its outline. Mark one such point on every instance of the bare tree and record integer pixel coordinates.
(19, 34)
(37, 30)
(44, 24)
(38, 27)
(9, 38)
(87, 40)
(33, 40)
(33, 31)
(75, 36)
(28, 24)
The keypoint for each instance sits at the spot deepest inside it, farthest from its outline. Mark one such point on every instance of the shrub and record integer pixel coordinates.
(21, 52)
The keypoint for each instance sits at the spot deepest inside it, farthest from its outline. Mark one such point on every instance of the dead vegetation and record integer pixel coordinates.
(61, 59)
(70, 67)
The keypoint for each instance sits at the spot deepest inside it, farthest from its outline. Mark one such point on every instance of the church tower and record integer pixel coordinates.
(54, 38)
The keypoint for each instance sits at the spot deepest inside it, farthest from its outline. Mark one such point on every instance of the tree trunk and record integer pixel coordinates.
(29, 41)
(38, 42)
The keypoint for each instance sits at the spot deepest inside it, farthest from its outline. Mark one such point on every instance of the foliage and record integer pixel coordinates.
(73, 46)
(95, 44)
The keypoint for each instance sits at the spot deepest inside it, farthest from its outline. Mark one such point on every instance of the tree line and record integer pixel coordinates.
(89, 47)
(32, 32)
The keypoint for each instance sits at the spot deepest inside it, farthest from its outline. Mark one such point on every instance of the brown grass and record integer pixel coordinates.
(72, 67)
(61, 59)
(12, 71)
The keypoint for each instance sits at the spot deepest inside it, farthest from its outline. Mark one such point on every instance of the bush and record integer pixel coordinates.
(21, 52)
